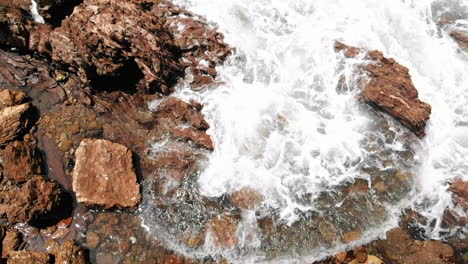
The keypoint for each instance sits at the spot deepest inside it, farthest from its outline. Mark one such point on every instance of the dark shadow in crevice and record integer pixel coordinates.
(127, 79)
(59, 12)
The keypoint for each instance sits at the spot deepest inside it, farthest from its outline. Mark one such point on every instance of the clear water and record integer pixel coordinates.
(282, 127)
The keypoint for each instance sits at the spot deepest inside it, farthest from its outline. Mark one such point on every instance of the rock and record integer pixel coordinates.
(92, 240)
(391, 90)
(459, 189)
(128, 50)
(22, 161)
(104, 175)
(11, 242)
(33, 202)
(369, 260)
(14, 121)
(11, 98)
(361, 254)
(15, 23)
(172, 259)
(246, 198)
(29, 257)
(399, 248)
(223, 229)
(461, 38)
(351, 236)
(70, 253)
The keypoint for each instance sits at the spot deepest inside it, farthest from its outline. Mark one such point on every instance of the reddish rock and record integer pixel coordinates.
(22, 160)
(351, 236)
(391, 90)
(15, 23)
(29, 257)
(70, 253)
(246, 198)
(399, 248)
(223, 229)
(14, 121)
(361, 254)
(11, 242)
(32, 202)
(461, 38)
(172, 259)
(459, 189)
(104, 175)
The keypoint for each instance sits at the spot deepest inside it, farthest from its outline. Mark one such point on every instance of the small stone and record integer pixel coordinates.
(28, 257)
(172, 259)
(70, 253)
(351, 236)
(65, 145)
(224, 228)
(361, 254)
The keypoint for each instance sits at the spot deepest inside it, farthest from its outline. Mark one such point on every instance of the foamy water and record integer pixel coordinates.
(280, 125)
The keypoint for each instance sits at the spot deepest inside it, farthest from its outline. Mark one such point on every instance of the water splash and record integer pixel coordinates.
(35, 13)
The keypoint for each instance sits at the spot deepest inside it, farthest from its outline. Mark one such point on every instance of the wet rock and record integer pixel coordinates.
(70, 253)
(351, 236)
(369, 260)
(459, 189)
(33, 202)
(29, 257)
(400, 248)
(22, 161)
(391, 90)
(92, 240)
(172, 259)
(11, 242)
(461, 38)
(14, 121)
(361, 254)
(246, 198)
(104, 175)
(223, 229)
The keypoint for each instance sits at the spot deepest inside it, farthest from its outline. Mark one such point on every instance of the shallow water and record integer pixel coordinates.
(284, 126)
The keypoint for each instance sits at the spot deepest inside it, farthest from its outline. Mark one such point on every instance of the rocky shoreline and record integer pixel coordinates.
(85, 103)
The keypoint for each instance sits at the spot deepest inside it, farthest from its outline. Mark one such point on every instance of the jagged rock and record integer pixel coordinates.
(11, 242)
(246, 198)
(391, 89)
(14, 121)
(32, 202)
(70, 253)
(11, 98)
(29, 257)
(21, 161)
(459, 189)
(15, 23)
(461, 38)
(399, 248)
(104, 175)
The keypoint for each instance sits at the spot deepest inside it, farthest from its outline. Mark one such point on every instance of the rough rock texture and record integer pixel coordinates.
(461, 38)
(459, 189)
(143, 44)
(223, 229)
(391, 90)
(104, 175)
(21, 161)
(14, 121)
(246, 198)
(399, 248)
(70, 253)
(32, 202)
(11, 242)
(29, 257)
(15, 23)
(11, 98)
(452, 218)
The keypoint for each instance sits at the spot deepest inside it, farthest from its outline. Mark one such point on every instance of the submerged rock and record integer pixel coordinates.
(104, 175)
(22, 161)
(223, 229)
(391, 89)
(70, 253)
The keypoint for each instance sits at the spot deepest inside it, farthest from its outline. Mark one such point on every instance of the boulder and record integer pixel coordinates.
(223, 230)
(29, 257)
(21, 161)
(246, 198)
(104, 175)
(459, 189)
(33, 202)
(391, 90)
(461, 38)
(399, 248)
(14, 121)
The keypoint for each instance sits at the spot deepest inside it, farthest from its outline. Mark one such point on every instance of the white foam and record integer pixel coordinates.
(35, 13)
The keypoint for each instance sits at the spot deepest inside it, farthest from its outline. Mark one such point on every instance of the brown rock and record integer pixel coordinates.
(246, 198)
(29, 257)
(361, 254)
(223, 229)
(459, 188)
(461, 38)
(104, 175)
(14, 121)
(351, 236)
(11, 242)
(35, 200)
(391, 90)
(92, 239)
(399, 248)
(172, 259)
(369, 260)
(70, 253)
(11, 98)
(22, 161)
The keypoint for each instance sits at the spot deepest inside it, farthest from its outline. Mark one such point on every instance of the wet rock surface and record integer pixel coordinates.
(29, 257)
(104, 175)
(461, 38)
(391, 89)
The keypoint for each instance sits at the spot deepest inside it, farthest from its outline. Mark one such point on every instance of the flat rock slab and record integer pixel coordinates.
(391, 89)
(14, 121)
(104, 175)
